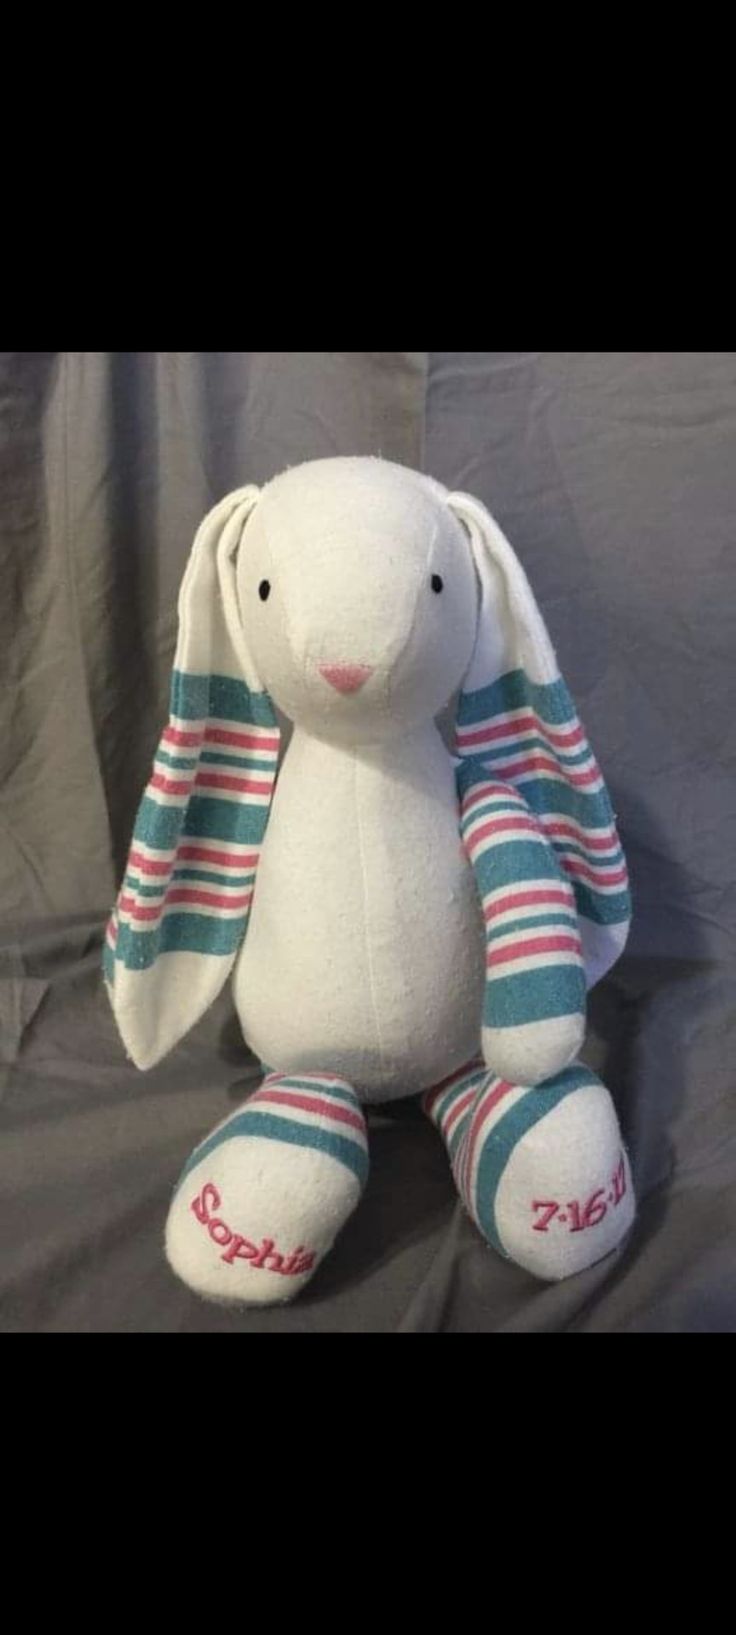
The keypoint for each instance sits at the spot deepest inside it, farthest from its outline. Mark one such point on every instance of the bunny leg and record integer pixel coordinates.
(534, 1005)
(261, 1200)
(542, 1171)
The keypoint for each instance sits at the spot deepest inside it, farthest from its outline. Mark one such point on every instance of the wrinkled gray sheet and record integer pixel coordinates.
(614, 475)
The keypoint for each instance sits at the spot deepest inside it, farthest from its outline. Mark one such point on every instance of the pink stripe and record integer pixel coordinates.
(487, 1101)
(533, 945)
(221, 780)
(147, 865)
(212, 899)
(501, 826)
(192, 854)
(242, 740)
(209, 899)
(128, 905)
(488, 791)
(575, 831)
(563, 738)
(459, 1107)
(189, 740)
(528, 899)
(310, 1104)
(170, 786)
(598, 877)
(112, 931)
(544, 763)
(225, 860)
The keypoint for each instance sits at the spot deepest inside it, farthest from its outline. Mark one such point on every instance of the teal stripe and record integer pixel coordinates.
(515, 691)
(203, 817)
(211, 819)
(506, 1135)
(511, 862)
(196, 697)
(315, 1136)
(508, 927)
(233, 701)
(179, 933)
(533, 996)
(592, 811)
(158, 826)
(210, 879)
(178, 763)
(340, 1094)
(190, 695)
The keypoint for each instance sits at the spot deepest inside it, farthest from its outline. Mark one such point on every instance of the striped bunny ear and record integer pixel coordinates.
(516, 717)
(183, 907)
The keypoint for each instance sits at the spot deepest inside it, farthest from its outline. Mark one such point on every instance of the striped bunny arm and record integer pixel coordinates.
(184, 903)
(534, 998)
(531, 736)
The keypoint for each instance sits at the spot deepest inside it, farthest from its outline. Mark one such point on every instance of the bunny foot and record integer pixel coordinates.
(542, 1171)
(261, 1200)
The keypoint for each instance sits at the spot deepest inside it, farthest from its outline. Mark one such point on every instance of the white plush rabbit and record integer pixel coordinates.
(396, 921)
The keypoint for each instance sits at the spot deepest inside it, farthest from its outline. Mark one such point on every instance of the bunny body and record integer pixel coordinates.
(393, 921)
(365, 948)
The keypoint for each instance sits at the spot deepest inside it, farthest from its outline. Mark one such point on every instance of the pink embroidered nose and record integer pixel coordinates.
(347, 678)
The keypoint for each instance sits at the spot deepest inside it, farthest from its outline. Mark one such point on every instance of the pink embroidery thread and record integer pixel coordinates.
(580, 1216)
(263, 1257)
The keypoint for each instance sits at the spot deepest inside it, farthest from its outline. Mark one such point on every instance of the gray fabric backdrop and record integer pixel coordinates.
(614, 475)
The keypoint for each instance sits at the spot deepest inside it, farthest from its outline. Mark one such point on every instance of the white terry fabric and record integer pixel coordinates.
(365, 948)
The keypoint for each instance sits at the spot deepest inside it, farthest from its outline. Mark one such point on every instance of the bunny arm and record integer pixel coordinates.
(534, 1003)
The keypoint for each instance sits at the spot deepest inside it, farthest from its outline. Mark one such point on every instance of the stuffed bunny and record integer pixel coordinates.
(396, 920)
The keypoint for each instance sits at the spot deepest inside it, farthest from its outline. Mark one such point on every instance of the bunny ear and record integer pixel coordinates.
(184, 903)
(516, 718)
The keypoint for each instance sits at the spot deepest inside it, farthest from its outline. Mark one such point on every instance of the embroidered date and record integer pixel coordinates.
(262, 1257)
(579, 1216)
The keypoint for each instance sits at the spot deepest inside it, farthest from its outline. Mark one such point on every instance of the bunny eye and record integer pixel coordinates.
(264, 590)
(436, 583)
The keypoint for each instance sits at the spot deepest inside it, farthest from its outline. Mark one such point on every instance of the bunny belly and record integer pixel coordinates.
(364, 954)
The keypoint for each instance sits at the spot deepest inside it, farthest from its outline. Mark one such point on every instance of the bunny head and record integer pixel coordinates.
(358, 597)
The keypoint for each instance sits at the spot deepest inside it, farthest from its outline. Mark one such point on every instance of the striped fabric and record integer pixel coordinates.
(189, 881)
(527, 734)
(481, 1119)
(313, 1110)
(449, 1105)
(534, 966)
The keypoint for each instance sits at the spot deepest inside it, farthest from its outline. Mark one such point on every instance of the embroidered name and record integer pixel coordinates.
(262, 1257)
